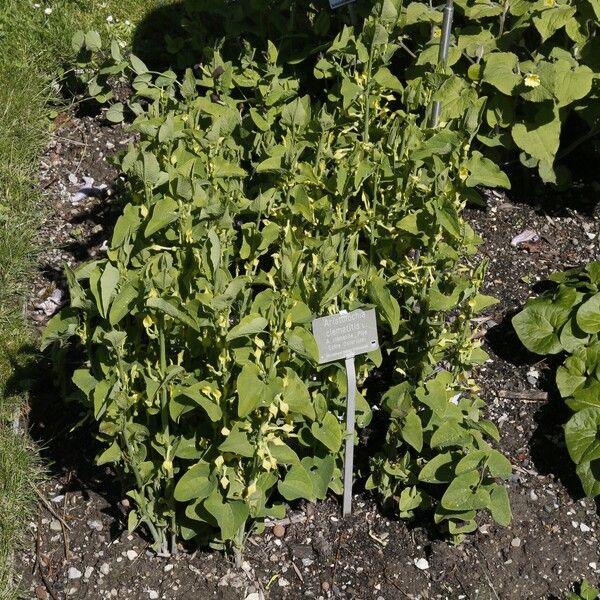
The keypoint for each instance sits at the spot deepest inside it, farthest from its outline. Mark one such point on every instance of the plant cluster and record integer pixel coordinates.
(252, 208)
(536, 62)
(566, 320)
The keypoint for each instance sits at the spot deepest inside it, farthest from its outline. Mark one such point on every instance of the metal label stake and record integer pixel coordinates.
(443, 55)
(350, 418)
(346, 335)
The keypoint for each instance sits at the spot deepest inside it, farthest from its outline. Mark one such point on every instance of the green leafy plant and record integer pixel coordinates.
(251, 210)
(566, 320)
(535, 62)
(585, 592)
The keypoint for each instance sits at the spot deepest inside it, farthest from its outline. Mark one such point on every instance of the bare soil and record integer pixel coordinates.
(80, 547)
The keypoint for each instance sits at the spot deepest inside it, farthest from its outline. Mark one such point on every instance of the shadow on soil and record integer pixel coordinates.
(546, 444)
(67, 447)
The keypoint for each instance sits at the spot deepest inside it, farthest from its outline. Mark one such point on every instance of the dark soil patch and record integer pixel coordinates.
(552, 542)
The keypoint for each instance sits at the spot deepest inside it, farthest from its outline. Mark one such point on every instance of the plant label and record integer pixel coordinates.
(338, 3)
(344, 336)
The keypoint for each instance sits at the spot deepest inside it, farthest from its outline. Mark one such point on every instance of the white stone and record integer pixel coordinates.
(283, 582)
(104, 569)
(74, 573)
(132, 554)
(584, 528)
(55, 525)
(88, 572)
(152, 594)
(421, 563)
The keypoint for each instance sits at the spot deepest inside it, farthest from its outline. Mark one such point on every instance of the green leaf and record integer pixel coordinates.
(115, 112)
(500, 506)
(385, 302)
(581, 435)
(229, 514)
(111, 455)
(550, 20)
(464, 493)
(483, 171)
(296, 395)
(412, 430)
(93, 41)
(137, 65)
(122, 303)
(321, 472)
(108, 284)
(250, 389)
(169, 309)
(237, 443)
(588, 315)
(449, 433)
(498, 464)
(60, 328)
(540, 139)
(589, 474)
(303, 343)
(164, 212)
(499, 71)
(536, 330)
(297, 484)
(249, 325)
(78, 40)
(224, 168)
(195, 483)
(440, 469)
(329, 432)
(283, 454)
(568, 380)
(212, 409)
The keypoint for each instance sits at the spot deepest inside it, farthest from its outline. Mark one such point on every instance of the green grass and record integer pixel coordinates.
(34, 46)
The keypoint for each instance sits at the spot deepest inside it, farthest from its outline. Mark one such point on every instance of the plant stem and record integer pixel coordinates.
(503, 17)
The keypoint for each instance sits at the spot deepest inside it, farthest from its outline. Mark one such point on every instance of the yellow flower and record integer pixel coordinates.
(532, 80)
(148, 321)
(224, 481)
(550, 3)
(168, 466)
(463, 173)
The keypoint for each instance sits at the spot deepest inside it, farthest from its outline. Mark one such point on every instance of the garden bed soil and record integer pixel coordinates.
(80, 547)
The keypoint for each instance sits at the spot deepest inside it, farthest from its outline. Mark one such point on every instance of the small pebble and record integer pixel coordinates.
(283, 582)
(279, 530)
(152, 594)
(88, 572)
(55, 525)
(168, 568)
(73, 573)
(104, 569)
(95, 525)
(132, 554)
(41, 593)
(421, 563)
(516, 542)
(325, 586)
(533, 495)
(584, 528)
(593, 565)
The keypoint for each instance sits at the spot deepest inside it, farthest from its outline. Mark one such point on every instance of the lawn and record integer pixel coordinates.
(35, 40)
